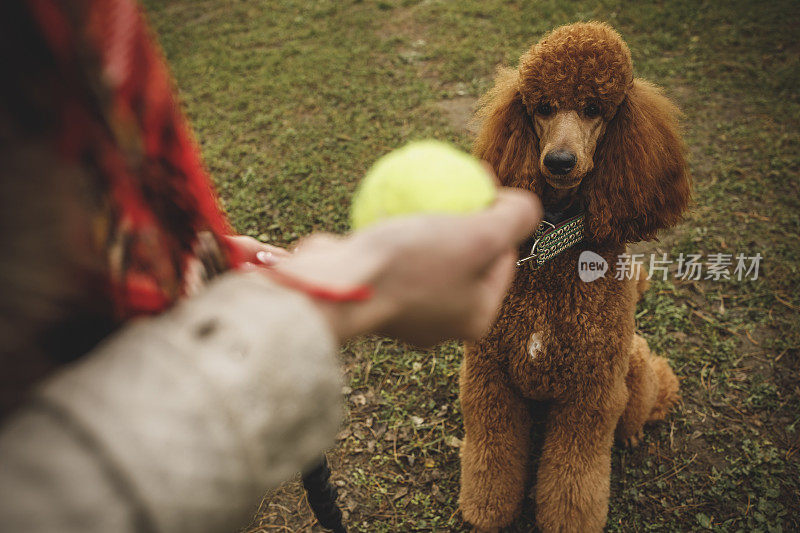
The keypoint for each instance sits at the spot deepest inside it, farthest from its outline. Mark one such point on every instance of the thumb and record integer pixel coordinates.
(513, 216)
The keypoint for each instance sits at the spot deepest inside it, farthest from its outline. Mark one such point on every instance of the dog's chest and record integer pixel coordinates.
(557, 331)
(534, 352)
(536, 345)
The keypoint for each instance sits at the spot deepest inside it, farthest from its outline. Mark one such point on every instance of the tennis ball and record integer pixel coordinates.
(422, 177)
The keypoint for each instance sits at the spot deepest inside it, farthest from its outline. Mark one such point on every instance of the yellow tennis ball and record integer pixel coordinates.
(422, 177)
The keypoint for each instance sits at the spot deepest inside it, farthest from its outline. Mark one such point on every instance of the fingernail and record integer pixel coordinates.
(266, 258)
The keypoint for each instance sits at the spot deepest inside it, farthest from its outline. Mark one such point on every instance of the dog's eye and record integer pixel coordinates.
(591, 110)
(544, 109)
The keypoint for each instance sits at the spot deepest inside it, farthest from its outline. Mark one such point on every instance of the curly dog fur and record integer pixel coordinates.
(557, 339)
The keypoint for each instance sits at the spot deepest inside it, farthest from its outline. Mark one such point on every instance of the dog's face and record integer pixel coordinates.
(567, 140)
(571, 83)
(571, 123)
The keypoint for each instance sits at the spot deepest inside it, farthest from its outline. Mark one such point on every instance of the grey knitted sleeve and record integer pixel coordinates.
(178, 423)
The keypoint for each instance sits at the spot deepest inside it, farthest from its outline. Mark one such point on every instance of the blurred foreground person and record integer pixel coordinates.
(153, 377)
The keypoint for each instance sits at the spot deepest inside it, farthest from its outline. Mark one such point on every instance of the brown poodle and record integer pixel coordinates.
(600, 148)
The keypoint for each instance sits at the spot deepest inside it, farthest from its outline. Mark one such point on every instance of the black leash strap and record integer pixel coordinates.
(322, 496)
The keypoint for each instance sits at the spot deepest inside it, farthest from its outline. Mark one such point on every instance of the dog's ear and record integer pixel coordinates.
(506, 139)
(640, 183)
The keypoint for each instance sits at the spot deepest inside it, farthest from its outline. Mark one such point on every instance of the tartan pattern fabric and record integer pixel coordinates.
(118, 119)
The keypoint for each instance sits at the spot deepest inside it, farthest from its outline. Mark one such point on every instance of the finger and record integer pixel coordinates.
(247, 266)
(511, 218)
(270, 255)
(489, 170)
(243, 245)
(498, 276)
(493, 287)
(487, 234)
(249, 248)
(267, 258)
(276, 250)
(318, 241)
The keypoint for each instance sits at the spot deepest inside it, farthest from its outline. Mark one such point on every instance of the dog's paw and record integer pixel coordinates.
(633, 440)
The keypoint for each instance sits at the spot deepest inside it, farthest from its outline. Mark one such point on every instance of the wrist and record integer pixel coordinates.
(351, 319)
(342, 285)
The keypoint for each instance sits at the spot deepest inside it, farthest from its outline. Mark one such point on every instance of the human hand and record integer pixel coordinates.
(256, 252)
(433, 277)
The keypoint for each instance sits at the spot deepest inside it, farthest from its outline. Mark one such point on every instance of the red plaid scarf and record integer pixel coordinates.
(119, 119)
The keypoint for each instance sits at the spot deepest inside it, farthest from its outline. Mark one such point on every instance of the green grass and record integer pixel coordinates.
(292, 101)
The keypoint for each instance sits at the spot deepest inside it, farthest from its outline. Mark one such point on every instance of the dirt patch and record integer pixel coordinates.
(402, 25)
(411, 43)
(459, 113)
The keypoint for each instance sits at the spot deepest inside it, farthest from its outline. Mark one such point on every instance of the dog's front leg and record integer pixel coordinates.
(494, 454)
(575, 466)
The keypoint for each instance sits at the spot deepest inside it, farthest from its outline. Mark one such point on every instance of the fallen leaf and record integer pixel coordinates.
(358, 399)
(402, 491)
(452, 441)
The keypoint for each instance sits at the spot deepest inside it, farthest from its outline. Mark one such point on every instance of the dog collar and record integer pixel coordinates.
(551, 239)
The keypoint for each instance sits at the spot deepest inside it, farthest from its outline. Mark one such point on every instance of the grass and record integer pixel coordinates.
(292, 101)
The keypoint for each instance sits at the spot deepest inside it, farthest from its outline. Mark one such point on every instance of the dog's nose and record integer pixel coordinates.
(560, 161)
